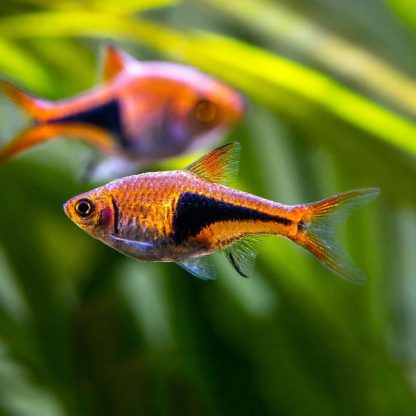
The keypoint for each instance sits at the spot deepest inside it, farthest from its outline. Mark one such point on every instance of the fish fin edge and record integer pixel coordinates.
(219, 166)
(317, 233)
(33, 106)
(114, 62)
(242, 254)
(201, 267)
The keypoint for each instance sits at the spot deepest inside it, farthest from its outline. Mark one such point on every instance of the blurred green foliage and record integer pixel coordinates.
(84, 330)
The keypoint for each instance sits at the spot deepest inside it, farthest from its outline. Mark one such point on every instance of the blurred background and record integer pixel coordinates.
(331, 87)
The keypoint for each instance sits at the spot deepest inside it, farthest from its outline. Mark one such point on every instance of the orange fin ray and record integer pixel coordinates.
(35, 107)
(316, 230)
(30, 137)
(219, 166)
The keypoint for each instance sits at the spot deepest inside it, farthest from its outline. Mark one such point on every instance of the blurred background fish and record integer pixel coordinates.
(142, 112)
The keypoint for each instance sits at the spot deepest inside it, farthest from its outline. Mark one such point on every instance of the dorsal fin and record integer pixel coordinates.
(115, 61)
(219, 166)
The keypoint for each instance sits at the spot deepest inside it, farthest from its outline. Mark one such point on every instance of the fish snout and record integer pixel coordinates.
(66, 208)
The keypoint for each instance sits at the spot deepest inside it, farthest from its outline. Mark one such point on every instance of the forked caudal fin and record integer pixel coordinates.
(35, 107)
(41, 133)
(316, 230)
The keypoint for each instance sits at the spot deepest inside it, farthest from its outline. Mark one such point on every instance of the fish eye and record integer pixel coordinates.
(205, 111)
(84, 208)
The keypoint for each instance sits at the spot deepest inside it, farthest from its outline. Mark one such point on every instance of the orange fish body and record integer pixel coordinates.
(184, 216)
(143, 112)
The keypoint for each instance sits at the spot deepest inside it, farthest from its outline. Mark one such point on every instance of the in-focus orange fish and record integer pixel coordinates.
(143, 112)
(184, 216)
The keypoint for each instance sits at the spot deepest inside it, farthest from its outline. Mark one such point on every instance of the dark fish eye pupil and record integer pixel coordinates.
(84, 208)
(205, 111)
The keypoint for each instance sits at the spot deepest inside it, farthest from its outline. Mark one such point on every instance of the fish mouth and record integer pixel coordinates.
(66, 209)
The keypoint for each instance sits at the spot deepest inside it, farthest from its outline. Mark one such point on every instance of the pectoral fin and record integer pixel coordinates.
(131, 248)
(200, 267)
(102, 169)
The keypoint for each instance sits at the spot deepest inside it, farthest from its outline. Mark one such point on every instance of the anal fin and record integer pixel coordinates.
(242, 254)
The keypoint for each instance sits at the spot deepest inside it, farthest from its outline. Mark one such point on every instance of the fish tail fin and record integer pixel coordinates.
(41, 133)
(316, 230)
(35, 107)
(45, 127)
(24, 140)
